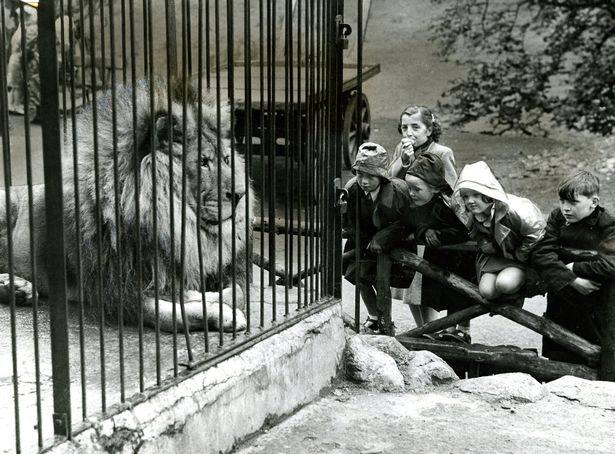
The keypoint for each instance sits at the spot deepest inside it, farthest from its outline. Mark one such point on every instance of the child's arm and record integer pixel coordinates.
(545, 257)
(602, 267)
(449, 229)
(531, 229)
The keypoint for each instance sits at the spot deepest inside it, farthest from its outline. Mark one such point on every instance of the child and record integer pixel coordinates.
(420, 130)
(575, 283)
(506, 228)
(435, 224)
(381, 200)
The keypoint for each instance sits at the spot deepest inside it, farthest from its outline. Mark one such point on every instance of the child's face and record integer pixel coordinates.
(412, 127)
(475, 201)
(367, 182)
(579, 209)
(420, 191)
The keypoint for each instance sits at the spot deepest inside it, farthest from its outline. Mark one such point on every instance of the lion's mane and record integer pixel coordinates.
(101, 240)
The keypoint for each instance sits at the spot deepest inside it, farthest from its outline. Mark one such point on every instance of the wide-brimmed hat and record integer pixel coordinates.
(372, 159)
(429, 168)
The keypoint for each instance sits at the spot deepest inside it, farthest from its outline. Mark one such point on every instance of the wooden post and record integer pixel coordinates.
(450, 320)
(383, 285)
(541, 325)
(607, 357)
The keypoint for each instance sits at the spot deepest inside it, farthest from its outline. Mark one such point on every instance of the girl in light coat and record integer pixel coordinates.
(506, 228)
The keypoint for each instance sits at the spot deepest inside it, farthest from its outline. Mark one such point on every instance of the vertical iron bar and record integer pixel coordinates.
(248, 153)
(185, 51)
(54, 216)
(103, 55)
(307, 153)
(171, 31)
(318, 146)
(188, 37)
(137, 182)
(33, 269)
(261, 80)
(77, 198)
(82, 41)
(287, 44)
(116, 198)
(146, 35)
(219, 167)
(294, 112)
(6, 154)
(200, 174)
(300, 150)
(99, 283)
(152, 129)
(272, 157)
(231, 97)
(123, 25)
(337, 162)
(312, 148)
(207, 45)
(359, 95)
(63, 66)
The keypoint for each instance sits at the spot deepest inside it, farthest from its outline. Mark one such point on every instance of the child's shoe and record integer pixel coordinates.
(371, 326)
(386, 326)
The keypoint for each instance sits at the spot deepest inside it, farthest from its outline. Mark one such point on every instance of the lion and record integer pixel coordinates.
(120, 285)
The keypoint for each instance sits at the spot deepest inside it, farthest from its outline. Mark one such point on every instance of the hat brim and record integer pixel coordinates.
(489, 192)
(372, 170)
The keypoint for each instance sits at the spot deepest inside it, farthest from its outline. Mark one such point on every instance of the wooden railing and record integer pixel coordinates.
(600, 359)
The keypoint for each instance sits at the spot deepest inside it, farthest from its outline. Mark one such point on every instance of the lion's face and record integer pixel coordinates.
(215, 173)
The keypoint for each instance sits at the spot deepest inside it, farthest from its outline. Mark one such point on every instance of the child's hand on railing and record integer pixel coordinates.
(375, 246)
(585, 286)
(431, 238)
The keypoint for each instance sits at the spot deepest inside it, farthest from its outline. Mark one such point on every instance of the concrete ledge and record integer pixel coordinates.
(212, 410)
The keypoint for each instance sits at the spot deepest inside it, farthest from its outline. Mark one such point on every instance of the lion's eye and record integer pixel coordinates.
(205, 161)
(227, 160)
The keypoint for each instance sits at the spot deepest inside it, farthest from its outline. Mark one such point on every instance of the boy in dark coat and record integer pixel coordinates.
(380, 201)
(575, 282)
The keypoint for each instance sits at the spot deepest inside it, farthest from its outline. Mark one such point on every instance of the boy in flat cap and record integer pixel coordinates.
(371, 225)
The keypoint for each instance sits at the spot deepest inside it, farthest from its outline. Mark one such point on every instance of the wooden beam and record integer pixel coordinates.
(536, 323)
(506, 357)
(450, 320)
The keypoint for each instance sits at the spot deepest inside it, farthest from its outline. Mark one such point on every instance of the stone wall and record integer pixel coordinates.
(212, 410)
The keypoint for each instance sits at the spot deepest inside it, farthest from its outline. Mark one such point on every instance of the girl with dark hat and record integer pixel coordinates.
(435, 224)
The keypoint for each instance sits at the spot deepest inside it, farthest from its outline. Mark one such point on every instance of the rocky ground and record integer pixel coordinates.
(399, 401)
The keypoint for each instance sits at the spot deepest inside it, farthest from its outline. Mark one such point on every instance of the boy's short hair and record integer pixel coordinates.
(583, 183)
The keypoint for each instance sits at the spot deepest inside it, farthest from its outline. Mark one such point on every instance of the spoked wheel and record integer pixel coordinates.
(354, 134)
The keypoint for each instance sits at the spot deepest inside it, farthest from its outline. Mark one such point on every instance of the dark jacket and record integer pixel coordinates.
(384, 213)
(438, 216)
(596, 232)
(377, 221)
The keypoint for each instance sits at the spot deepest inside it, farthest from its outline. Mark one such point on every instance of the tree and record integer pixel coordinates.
(531, 63)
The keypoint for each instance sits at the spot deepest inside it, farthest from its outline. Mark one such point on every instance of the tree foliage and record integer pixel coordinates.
(531, 62)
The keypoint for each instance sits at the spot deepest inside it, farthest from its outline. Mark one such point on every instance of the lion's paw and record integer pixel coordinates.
(24, 294)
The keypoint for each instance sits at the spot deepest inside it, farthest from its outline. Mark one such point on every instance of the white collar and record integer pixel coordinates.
(374, 193)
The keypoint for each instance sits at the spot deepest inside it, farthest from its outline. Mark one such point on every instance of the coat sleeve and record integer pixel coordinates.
(532, 229)
(602, 268)
(397, 168)
(450, 174)
(449, 227)
(546, 260)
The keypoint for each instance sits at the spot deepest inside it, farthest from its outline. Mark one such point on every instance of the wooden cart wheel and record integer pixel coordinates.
(355, 134)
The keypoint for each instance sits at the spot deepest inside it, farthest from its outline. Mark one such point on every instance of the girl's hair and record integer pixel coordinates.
(428, 118)
(581, 183)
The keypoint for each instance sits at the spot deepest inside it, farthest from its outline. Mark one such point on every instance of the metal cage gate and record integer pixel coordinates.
(171, 173)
